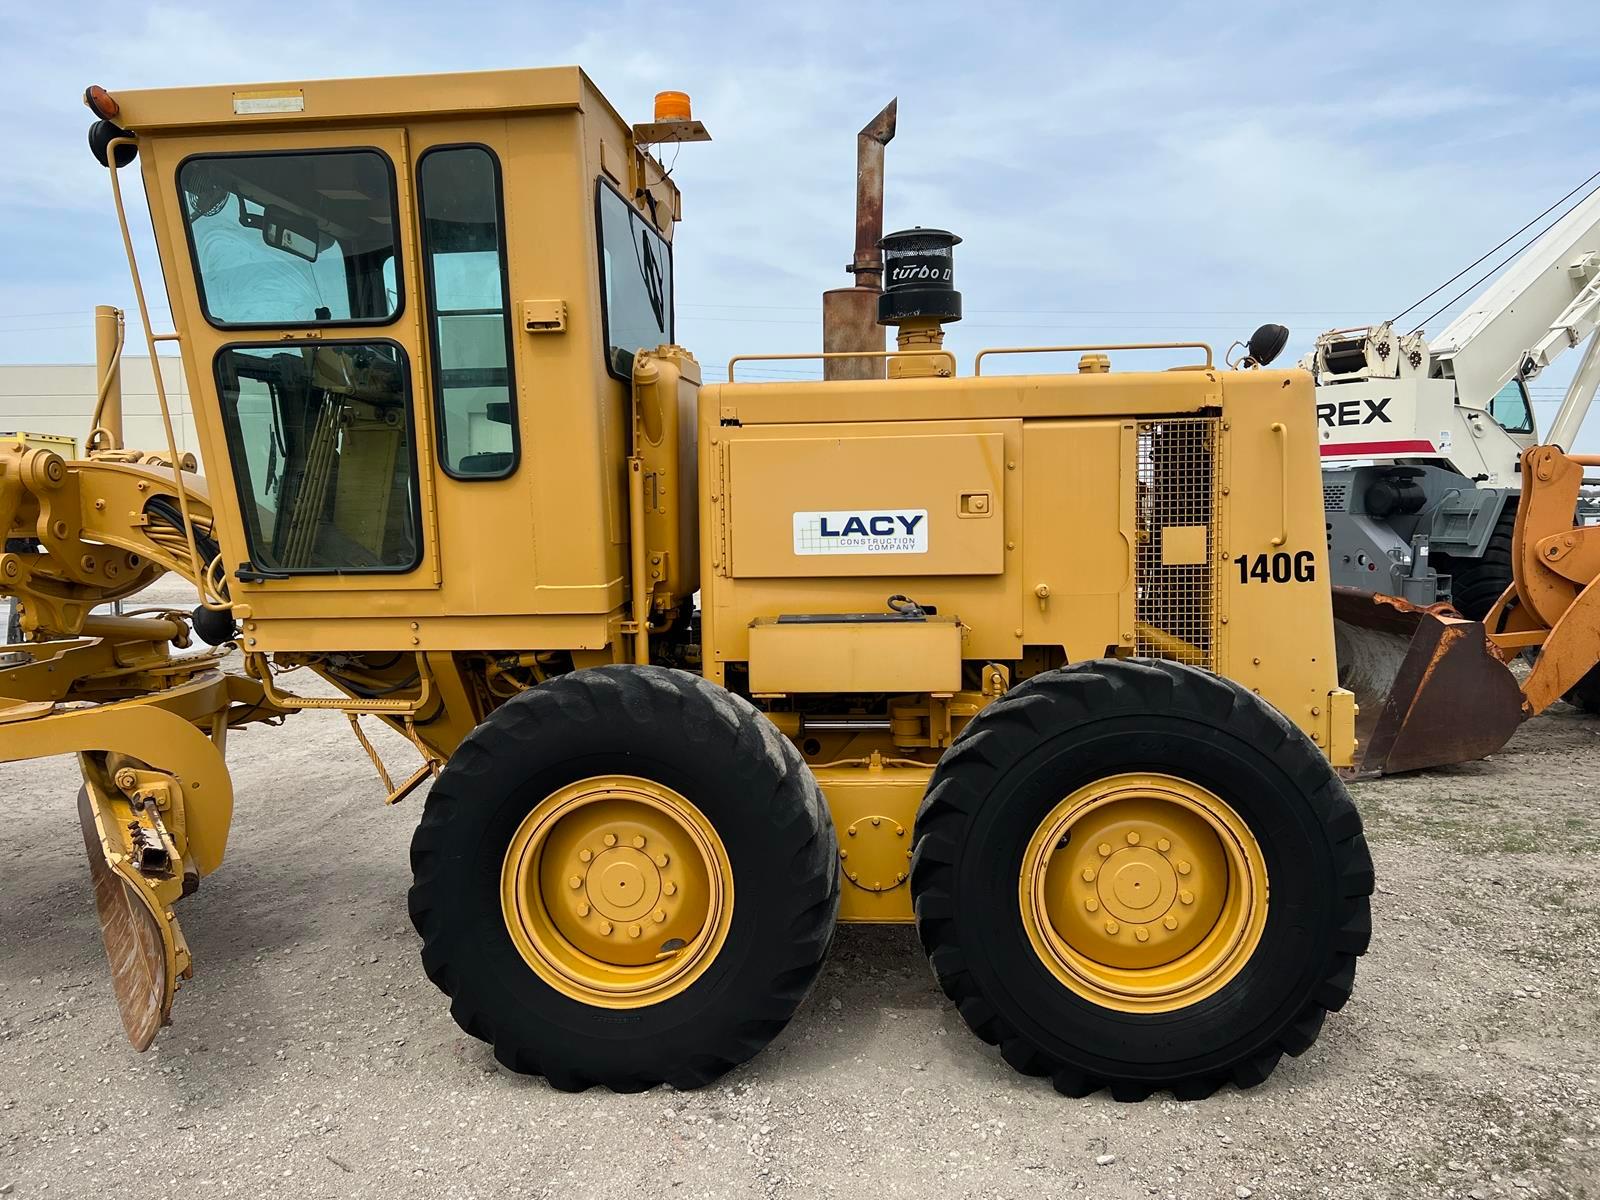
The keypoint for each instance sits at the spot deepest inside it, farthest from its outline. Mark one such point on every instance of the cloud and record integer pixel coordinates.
(1177, 170)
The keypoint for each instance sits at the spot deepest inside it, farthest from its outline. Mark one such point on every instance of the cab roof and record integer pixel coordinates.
(381, 98)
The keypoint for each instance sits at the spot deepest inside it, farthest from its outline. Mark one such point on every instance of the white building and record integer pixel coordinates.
(59, 398)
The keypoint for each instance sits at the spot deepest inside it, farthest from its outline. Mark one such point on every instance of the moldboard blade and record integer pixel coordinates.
(141, 964)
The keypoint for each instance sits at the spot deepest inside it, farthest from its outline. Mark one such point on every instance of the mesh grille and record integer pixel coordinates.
(1175, 603)
(1334, 496)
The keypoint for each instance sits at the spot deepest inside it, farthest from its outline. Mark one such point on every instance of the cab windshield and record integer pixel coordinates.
(295, 239)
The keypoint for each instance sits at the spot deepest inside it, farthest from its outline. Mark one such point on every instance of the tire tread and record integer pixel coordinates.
(1011, 725)
(702, 712)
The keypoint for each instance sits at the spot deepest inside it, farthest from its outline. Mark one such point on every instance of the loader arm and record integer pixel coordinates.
(1553, 602)
(1437, 689)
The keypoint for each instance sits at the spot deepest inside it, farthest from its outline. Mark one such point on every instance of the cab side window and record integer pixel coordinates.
(1510, 408)
(635, 280)
(464, 269)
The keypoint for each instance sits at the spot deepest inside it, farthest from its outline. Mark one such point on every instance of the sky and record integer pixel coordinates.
(1170, 172)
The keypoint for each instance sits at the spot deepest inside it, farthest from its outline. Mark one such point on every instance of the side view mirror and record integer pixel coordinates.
(1267, 343)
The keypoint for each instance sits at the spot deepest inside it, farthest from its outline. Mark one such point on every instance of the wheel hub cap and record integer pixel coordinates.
(1144, 892)
(616, 890)
(1136, 884)
(625, 885)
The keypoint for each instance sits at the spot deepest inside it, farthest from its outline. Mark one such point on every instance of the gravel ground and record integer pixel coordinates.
(311, 1057)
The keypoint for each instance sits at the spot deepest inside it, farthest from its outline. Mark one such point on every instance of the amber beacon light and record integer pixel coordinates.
(672, 106)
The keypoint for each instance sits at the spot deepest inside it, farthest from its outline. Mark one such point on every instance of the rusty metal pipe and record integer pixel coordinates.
(867, 266)
(850, 314)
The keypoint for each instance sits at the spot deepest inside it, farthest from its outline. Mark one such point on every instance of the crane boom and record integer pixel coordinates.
(1508, 329)
(1575, 404)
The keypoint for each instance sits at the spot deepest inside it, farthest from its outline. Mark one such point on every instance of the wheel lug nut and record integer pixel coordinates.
(1163, 845)
(1142, 934)
(1170, 922)
(659, 916)
(670, 888)
(1105, 849)
(583, 910)
(1183, 867)
(638, 843)
(1133, 839)
(610, 839)
(661, 860)
(1112, 927)
(575, 882)
(1092, 904)
(1088, 874)
(633, 931)
(585, 855)
(1186, 897)
(605, 928)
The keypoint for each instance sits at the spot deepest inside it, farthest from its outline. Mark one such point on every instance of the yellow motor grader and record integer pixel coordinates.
(1043, 663)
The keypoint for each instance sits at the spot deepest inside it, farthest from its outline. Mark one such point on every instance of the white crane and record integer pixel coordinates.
(1421, 440)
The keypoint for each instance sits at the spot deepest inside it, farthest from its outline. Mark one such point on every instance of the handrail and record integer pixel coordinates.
(1282, 431)
(151, 338)
(884, 354)
(977, 363)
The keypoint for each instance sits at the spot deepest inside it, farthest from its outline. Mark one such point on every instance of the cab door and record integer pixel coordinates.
(290, 257)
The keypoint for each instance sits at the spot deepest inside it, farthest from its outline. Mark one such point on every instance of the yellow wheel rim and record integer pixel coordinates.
(1143, 893)
(617, 891)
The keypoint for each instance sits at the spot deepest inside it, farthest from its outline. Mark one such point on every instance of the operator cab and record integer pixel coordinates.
(1512, 411)
(395, 333)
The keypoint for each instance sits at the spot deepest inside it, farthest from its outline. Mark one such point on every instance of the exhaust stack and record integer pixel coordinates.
(850, 314)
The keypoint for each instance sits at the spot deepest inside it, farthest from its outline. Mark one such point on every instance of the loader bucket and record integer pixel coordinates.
(1428, 685)
(140, 944)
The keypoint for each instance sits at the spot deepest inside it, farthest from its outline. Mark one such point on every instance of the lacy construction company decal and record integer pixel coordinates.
(862, 531)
